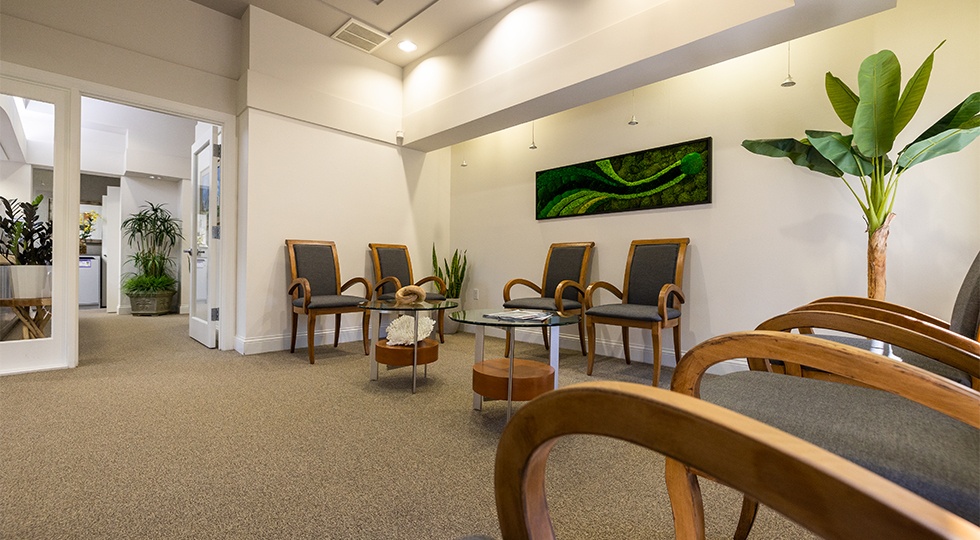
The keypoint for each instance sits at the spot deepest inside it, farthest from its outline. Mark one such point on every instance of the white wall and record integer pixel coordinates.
(308, 182)
(775, 235)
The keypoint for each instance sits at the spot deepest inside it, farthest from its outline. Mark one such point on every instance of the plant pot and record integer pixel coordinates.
(450, 326)
(30, 281)
(157, 303)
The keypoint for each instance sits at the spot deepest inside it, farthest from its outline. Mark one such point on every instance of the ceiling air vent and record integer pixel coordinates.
(359, 35)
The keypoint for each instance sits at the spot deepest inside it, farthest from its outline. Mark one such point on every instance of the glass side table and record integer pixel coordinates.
(513, 379)
(422, 353)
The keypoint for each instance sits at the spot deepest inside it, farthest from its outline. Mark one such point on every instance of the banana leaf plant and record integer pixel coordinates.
(876, 114)
(453, 273)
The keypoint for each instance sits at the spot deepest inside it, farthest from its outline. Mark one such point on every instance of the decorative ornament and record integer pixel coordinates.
(401, 331)
(409, 294)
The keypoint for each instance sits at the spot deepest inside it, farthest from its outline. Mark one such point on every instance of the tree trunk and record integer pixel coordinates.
(877, 244)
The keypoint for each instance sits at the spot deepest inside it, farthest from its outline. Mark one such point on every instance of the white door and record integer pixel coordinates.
(204, 256)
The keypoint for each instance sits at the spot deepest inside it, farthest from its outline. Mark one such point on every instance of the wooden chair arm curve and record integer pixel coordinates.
(887, 306)
(520, 281)
(560, 293)
(669, 292)
(379, 286)
(597, 285)
(870, 369)
(440, 284)
(354, 281)
(301, 282)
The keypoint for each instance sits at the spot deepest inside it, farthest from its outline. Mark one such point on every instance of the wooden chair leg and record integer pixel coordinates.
(292, 341)
(336, 330)
(507, 344)
(310, 329)
(686, 504)
(591, 331)
(677, 343)
(365, 326)
(657, 354)
(547, 342)
(626, 343)
(581, 332)
(750, 507)
(442, 319)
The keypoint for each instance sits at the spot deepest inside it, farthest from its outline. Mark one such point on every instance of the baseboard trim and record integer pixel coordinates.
(280, 342)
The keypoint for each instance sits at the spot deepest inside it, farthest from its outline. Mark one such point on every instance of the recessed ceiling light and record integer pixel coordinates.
(407, 46)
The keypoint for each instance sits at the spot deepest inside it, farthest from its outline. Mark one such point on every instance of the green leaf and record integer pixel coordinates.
(959, 117)
(837, 148)
(915, 88)
(879, 79)
(799, 152)
(842, 98)
(946, 142)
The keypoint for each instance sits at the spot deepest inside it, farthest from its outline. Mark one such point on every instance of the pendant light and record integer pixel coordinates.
(789, 78)
(633, 121)
(533, 146)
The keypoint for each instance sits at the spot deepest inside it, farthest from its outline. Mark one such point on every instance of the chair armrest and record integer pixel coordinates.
(924, 344)
(867, 368)
(520, 281)
(595, 286)
(301, 282)
(440, 284)
(354, 281)
(883, 305)
(667, 293)
(380, 285)
(898, 319)
(560, 293)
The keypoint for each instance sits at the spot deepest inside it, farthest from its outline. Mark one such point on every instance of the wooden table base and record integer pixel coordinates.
(531, 379)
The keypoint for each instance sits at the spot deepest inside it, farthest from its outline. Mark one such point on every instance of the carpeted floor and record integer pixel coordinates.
(154, 436)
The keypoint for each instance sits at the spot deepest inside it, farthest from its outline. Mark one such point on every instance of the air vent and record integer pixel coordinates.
(359, 35)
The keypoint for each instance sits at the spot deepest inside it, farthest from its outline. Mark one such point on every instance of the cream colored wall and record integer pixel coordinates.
(775, 235)
(309, 182)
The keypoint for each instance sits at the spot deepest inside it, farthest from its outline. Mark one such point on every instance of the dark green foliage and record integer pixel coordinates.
(453, 273)
(24, 238)
(154, 232)
(669, 176)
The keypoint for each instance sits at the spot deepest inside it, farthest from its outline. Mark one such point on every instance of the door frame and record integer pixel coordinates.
(228, 283)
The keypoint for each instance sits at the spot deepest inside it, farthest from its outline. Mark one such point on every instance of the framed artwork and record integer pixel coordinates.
(674, 175)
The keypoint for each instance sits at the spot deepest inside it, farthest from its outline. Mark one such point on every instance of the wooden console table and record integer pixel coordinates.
(33, 323)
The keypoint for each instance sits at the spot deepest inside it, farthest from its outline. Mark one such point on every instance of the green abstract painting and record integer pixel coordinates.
(675, 175)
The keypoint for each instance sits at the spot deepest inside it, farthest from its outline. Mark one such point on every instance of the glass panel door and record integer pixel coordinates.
(203, 256)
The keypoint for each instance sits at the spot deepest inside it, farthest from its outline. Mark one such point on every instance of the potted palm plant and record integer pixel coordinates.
(153, 231)
(452, 273)
(876, 114)
(26, 246)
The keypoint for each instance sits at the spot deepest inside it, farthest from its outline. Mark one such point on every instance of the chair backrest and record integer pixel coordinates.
(391, 260)
(566, 260)
(965, 319)
(650, 265)
(317, 261)
(824, 493)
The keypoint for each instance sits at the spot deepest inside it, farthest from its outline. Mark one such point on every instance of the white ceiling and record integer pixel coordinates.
(427, 23)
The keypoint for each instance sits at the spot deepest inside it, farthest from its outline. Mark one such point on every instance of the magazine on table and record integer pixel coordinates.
(520, 315)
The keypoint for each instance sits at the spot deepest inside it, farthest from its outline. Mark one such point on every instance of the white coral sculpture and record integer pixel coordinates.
(401, 331)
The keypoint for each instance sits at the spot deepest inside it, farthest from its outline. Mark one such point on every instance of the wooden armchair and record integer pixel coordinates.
(315, 288)
(824, 493)
(651, 297)
(901, 422)
(393, 270)
(562, 286)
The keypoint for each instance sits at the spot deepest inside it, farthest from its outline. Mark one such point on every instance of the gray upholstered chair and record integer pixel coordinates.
(562, 286)
(822, 492)
(908, 425)
(315, 288)
(962, 330)
(651, 297)
(393, 270)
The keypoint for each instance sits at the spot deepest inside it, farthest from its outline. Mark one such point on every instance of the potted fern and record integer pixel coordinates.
(26, 246)
(452, 273)
(153, 231)
(876, 114)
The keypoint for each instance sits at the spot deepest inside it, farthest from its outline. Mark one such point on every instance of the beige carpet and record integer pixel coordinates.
(154, 436)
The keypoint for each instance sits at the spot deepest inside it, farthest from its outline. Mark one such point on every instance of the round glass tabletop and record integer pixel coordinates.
(511, 318)
(390, 305)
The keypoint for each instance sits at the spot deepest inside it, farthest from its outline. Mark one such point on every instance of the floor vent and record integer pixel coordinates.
(359, 35)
